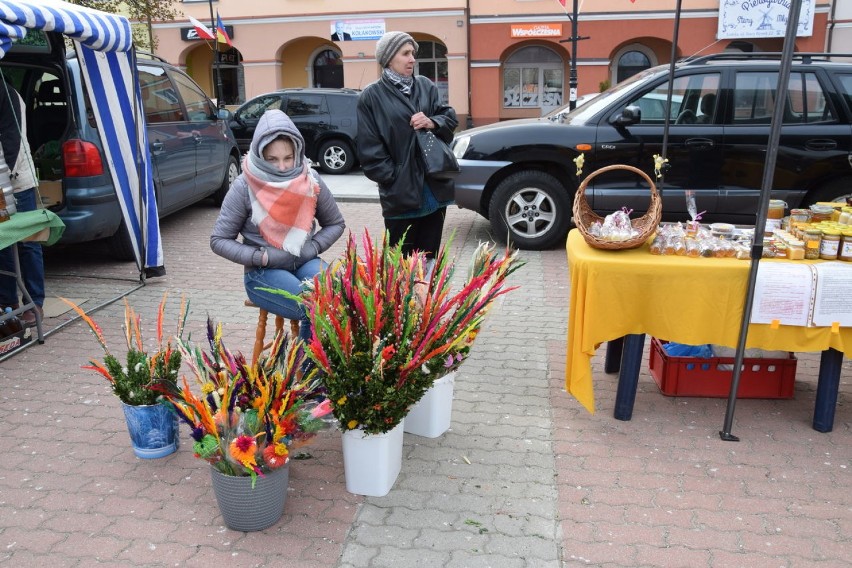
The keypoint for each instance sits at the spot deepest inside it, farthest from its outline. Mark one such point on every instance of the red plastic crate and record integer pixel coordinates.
(696, 376)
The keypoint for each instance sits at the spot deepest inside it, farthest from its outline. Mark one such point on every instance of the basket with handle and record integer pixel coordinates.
(584, 217)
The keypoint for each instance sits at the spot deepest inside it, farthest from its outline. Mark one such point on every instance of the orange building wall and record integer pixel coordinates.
(491, 45)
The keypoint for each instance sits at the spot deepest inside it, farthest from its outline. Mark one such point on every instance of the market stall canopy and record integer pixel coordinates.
(104, 44)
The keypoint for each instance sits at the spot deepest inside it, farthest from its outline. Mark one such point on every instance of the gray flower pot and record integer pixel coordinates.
(251, 509)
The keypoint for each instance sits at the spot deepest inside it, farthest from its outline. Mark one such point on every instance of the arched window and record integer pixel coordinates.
(432, 63)
(630, 63)
(328, 69)
(533, 77)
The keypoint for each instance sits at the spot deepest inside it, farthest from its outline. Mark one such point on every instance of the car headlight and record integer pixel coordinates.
(460, 144)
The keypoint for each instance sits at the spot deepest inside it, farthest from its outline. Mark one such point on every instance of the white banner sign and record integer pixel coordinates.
(761, 18)
(347, 30)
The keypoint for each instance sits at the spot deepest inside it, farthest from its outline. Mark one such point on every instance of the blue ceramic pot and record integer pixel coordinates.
(153, 430)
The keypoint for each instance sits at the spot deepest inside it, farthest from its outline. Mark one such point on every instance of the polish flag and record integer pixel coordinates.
(202, 30)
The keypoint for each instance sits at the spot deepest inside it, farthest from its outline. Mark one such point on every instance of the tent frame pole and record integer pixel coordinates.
(763, 209)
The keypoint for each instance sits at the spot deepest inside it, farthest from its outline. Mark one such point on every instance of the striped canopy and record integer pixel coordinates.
(104, 45)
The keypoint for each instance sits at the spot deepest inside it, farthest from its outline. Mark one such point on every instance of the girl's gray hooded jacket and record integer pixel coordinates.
(235, 215)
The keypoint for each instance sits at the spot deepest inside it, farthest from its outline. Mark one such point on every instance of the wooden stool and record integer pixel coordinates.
(260, 331)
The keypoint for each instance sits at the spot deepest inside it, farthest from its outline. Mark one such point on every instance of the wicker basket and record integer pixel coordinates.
(584, 217)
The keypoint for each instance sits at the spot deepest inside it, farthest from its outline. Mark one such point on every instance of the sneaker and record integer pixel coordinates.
(28, 318)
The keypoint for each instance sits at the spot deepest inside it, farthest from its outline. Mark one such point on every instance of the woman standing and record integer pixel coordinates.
(389, 112)
(276, 204)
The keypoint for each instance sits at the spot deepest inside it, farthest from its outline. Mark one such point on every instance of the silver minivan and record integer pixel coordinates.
(194, 154)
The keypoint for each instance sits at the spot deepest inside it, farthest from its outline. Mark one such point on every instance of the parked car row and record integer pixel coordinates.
(521, 175)
(194, 154)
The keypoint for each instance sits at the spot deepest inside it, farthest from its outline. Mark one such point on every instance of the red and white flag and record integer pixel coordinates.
(564, 7)
(203, 31)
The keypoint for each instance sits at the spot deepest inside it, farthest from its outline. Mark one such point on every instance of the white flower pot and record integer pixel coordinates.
(372, 462)
(430, 417)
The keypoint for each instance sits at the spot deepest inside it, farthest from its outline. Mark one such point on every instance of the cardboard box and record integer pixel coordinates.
(50, 192)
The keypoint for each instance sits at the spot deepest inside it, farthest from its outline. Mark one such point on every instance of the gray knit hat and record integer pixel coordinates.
(389, 44)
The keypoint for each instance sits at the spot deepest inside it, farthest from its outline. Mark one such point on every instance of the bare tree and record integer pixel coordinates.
(141, 14)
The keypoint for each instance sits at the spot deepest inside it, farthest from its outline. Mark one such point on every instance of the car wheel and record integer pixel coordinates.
(119, 245)
(838, 191)
(230, 175)
(336, 157)
(532, 209)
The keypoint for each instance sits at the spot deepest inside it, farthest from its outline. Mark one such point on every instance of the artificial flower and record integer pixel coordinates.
(248, 415)
(131, 381)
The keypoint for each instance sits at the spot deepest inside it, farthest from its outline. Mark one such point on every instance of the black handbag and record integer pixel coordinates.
(438, 159)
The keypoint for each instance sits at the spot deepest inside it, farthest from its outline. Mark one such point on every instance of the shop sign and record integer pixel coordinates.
(536, 30)
(762, 18)
(190, 34)
(229, 56)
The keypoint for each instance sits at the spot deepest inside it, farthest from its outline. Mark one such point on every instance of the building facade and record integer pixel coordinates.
(492, 59)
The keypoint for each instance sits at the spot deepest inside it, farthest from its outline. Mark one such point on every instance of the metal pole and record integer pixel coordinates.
(763, 208)
(218, 80)
(572, 76)
(667, 120)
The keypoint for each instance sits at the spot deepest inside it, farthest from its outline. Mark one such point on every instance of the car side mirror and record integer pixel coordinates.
(224, 114)
(629, 115)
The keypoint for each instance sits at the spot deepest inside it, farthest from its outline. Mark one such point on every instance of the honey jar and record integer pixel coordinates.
(812, 238)
(845, 252)
(795, 250)
(830, 244)
(774, 215)
(821, 213)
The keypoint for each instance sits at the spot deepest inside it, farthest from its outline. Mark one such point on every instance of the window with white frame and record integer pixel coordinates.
(533, 77)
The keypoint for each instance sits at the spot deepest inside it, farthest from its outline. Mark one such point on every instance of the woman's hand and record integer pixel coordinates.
(420, 121)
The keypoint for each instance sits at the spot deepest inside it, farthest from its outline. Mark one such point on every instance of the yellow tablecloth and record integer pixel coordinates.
(688, 300)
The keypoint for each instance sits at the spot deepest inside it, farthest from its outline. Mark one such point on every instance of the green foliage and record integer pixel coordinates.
(385, 327)
(131, 382)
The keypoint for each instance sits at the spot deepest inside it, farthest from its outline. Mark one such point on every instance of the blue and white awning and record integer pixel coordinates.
(104, 45)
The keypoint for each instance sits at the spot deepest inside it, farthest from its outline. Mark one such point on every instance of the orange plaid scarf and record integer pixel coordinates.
(283, 211)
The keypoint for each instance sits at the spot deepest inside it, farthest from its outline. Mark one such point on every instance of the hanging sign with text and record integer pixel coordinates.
(762, 18)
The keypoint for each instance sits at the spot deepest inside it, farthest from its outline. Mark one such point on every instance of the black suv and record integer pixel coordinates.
(326, 118)
(193, 153)
(521, 174)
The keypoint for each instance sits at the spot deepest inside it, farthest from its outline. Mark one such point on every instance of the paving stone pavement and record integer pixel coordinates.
(524, 478)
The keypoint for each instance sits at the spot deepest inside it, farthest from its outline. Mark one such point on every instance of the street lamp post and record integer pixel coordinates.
(218, 83)
(572, 74)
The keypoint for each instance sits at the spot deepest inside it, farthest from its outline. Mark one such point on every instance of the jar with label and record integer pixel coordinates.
(845, 246)
(830, 244)
(774, 215)
(812, 238)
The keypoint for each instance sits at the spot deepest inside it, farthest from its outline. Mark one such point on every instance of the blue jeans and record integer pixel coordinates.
(277, 278)
(30, 257)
